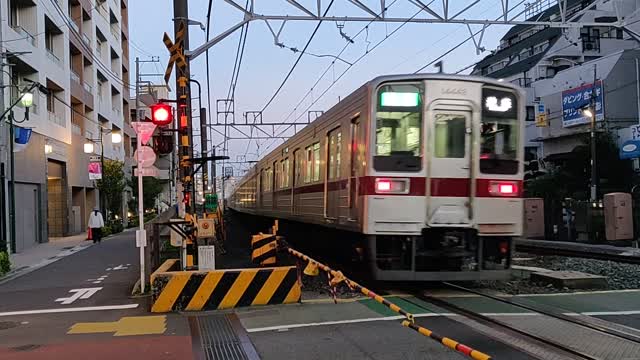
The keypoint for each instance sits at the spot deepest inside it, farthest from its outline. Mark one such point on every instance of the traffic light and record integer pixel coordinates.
(161, 114)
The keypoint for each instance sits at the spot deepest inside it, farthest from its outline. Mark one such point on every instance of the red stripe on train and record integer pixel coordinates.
(440, 187)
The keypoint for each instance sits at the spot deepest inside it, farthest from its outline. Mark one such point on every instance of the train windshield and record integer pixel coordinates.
(499, 133)
(399, 128)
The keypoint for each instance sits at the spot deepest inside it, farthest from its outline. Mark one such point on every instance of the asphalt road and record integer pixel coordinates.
(111, 267)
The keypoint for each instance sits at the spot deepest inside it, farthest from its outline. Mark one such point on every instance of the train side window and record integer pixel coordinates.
(399, 127)
(335, 147)
(450, 135)
(308, 171)
(284, 173)
(277, 178)
(316, 161)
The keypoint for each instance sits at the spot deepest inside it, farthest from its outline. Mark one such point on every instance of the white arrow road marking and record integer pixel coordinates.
(82, 294)
(119, 267)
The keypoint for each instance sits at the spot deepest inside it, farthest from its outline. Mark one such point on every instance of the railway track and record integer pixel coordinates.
(582, 252)
(552, 332)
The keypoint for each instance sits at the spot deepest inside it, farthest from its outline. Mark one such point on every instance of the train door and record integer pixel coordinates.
(450, 185)
(353, 169)
(298, 160)
(333, 188)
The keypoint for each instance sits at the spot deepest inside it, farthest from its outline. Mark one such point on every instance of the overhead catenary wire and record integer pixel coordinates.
(295, 64)
(331, 66)
(387, 36)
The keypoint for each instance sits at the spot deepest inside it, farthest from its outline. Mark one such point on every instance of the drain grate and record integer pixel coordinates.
(219, 338)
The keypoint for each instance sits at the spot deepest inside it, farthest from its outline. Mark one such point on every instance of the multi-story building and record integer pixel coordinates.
(553, 63)
(79, 51)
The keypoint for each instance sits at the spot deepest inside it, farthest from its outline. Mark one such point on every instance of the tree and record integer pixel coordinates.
(112, 185)
(152, 187)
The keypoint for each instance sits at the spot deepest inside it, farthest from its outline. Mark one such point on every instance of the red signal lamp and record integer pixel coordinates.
(161, 114)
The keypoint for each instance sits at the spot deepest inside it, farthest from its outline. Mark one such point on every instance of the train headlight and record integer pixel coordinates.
(392, 186)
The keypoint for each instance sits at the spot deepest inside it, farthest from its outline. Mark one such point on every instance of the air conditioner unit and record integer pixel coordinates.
(589, 46)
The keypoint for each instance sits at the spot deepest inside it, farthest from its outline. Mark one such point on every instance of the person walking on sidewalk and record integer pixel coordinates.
(96, 223)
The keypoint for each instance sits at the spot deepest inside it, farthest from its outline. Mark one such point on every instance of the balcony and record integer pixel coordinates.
(522, 82)
(56, 119)
(88, 87)
(74, 26)
(115, 31)
(75, 77)
(86, 40)
(53, 57)
(117, 112)
(25, 34)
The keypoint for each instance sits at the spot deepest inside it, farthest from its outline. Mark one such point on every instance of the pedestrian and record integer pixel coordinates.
(96, 223)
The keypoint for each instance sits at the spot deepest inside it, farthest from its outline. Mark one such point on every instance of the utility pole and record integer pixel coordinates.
(594, 179)
(140, 187)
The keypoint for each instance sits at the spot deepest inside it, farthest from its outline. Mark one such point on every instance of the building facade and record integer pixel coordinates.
(79, 51)
(553, 63)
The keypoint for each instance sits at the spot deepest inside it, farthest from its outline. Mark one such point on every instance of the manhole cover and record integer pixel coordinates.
(4, 325)
(27, 347)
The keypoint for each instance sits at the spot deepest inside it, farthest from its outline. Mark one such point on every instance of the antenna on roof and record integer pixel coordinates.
(440, 66)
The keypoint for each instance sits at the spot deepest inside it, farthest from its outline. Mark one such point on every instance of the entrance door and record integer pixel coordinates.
(450, 187)
(27, 221)
(353, 170)
(334, 186)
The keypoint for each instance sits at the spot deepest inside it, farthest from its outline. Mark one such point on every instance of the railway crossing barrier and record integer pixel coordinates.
(337, 277)
(222, 289)
(263, 247)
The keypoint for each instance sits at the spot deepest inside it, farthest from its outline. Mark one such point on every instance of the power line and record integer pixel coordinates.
(349, 67)
(365, 28)
(297, 60)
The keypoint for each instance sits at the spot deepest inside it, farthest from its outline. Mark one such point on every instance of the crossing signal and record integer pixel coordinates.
(161, 114)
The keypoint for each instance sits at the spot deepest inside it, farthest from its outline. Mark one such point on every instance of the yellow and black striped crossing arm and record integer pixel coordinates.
(224, 289)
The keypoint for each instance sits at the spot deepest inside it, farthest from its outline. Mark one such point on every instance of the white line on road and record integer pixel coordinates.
(66, 310)
(388, 318)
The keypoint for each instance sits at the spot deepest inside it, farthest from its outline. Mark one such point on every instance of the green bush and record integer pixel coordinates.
(5, 264)
(106, 231)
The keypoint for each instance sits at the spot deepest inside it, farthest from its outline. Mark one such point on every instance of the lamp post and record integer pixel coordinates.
(89, 148)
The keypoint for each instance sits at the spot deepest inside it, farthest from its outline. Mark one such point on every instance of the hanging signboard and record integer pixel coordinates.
(541, 116)
(574, 100)
(95, 171)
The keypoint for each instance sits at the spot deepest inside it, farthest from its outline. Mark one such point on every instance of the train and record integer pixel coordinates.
(423, 172)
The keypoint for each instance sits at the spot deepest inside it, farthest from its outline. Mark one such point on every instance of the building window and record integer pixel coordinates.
(531, 113)
(13, 14)
(51, 102)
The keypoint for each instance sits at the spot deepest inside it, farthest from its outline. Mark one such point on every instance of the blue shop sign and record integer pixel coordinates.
(573, 100)
(630, 149)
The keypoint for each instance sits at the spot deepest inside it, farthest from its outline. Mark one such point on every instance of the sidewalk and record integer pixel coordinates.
(44, 254)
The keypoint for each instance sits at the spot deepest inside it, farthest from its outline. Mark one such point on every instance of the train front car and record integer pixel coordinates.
(443, 200)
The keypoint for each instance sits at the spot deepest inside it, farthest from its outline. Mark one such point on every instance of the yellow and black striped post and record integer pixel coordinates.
(224, 289)
(450, 343)
(263, 249)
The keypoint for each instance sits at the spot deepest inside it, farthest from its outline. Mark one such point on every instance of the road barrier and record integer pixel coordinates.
(263, 249)
(222, 289)
(337, 277)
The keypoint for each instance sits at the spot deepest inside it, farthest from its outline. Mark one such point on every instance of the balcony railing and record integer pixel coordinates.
(522, 82)
(99, 50)
(56, 119)
(76, 129)
(25, 34)
(115, 31)
(74, 26)
(88, 87)
(116, 111)
(53, 57)
(86, 40)
(75, 77)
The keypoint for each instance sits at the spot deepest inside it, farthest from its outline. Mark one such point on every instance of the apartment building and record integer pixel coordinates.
(79, 51)
(552, 63)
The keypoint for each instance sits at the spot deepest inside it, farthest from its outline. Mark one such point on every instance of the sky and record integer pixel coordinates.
(264, 65)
